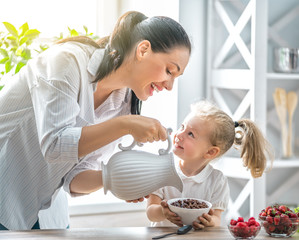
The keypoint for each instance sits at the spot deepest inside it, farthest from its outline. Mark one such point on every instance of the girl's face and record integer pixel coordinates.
(156, 71)
(191, 142)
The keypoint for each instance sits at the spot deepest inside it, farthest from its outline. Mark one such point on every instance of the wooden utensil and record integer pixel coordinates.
(292, 100)
(280, 101)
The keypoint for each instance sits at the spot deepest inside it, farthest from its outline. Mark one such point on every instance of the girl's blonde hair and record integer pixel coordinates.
(245, 136)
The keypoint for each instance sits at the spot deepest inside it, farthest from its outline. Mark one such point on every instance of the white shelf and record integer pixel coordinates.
(283, 76)
(255, 79)
(286, 163)
(232, 167)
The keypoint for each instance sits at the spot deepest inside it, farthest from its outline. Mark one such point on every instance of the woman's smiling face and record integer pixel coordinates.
(156, 71)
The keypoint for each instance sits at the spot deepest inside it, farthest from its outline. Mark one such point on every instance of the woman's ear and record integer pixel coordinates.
(143, 48)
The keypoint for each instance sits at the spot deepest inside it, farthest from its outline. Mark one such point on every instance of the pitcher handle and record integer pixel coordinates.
(166, 151)
(130, 147)
(161, 151)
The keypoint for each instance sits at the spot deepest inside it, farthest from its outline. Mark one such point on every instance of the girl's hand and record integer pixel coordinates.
(137, 200)
(171, 216)
(145, 129)
(205, 220)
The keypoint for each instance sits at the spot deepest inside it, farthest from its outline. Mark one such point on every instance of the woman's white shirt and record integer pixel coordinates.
(42, 112)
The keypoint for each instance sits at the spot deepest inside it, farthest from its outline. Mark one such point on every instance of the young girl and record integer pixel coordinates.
(207, 133)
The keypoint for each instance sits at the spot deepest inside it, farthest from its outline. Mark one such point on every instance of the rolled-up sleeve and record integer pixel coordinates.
(90, 162)
(54, 90)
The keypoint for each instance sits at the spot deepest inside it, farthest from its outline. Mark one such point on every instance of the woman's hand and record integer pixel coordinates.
(171, 216)
(137, 200)
(145, 129)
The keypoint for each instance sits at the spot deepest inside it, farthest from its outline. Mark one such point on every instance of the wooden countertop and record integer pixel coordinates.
(123, 233)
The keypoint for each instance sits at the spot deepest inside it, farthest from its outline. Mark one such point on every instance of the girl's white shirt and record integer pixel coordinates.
(210, 185)
(42, 112)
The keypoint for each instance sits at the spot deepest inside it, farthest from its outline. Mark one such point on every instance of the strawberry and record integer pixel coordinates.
(263, 215)
(267, 208)
(282, 208)
(240, 219)
(271, 228)
(269, 219)
(280, 227)
(278, 213)
(292, 215)
(251, 222)
(241, 225)
(276, 220)
(284, 218)
(269, 211)
(251, 218)
(233, 222)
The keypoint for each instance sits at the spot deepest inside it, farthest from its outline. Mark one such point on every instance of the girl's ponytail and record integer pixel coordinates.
(255, 149)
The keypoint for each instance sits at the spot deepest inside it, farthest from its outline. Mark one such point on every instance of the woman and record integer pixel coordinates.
(66, 109)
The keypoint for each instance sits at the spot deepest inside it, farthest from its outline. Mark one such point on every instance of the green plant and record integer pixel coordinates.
(15, 47)
(73, 32)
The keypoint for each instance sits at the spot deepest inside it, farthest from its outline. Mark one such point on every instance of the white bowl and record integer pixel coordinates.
(188, 216)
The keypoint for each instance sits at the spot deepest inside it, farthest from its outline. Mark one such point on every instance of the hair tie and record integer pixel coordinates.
(236, 124)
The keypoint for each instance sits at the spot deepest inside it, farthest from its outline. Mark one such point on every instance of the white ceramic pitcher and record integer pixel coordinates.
(132, 174)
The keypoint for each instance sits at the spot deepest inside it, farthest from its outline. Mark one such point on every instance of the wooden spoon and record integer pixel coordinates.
(292, 100)
(280, 101)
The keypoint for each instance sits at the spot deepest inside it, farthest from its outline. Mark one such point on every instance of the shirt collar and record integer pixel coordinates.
(95, 61)
(116, 100)
(200, 177)
(117, 97)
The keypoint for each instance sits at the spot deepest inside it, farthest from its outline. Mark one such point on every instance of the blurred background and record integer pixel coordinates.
(60, 18)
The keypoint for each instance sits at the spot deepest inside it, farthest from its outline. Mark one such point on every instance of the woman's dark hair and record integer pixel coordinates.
(132, 27)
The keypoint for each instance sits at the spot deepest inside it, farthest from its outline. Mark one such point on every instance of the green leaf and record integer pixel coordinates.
(1, 87)
(43, 47)
(26, 54)
(13, 42)
(3, 52)
(73, 32)
(19, 51)
(11, 28)
(13, 49)
(12, 38)
(60, 36)
(19, 66)
(32, 33)
(86, 29)
(23, 40)
(24, 28)
(29, 42)
(4, 60)
(8, 66)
